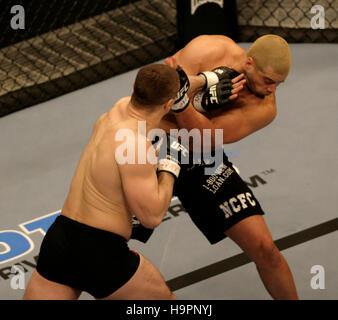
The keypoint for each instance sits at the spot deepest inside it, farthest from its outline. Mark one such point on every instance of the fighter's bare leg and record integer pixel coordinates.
(146, 284)
(40, 288)
(254, 238)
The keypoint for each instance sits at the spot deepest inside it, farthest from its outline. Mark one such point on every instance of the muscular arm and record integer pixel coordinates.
(148, 196)
(236, 123)
(202, 53)
(249, 114)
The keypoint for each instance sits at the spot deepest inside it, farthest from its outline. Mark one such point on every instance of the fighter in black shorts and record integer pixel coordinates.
(86, 247)
(222, 205)
(217, 201)
(87, 259)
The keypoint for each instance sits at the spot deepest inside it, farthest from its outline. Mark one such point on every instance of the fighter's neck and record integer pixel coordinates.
(152, 119)
(239, 63)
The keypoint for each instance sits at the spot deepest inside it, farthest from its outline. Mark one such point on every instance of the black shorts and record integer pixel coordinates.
(215, 202)
(85, 258)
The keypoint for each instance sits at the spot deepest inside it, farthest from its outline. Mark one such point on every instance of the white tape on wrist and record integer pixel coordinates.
(169, 166)
(197, 102)
(211, 78)
(180, 105)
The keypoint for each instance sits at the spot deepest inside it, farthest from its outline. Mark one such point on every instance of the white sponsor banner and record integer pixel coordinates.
(197, 3)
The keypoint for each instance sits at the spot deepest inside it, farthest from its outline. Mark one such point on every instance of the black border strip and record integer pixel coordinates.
(242, 259)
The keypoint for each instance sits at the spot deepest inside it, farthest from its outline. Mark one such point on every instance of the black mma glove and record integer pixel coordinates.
(139, 232)
(216, 75)
(182, 99)
(218, 95)
(172, 154)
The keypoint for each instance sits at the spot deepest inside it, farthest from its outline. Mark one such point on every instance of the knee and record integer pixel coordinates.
(267, 255)
(172, 296)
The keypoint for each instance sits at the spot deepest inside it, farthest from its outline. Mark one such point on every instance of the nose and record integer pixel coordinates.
(272, 88)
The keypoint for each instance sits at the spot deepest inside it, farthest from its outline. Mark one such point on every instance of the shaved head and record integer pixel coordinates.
(271, 51)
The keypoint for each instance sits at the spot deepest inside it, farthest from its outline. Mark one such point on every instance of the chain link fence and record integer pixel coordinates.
(65, 46)
(69, 44)
(290, 19)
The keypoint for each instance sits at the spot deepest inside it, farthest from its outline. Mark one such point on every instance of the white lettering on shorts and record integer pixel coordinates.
(236, 204)
(216, 180)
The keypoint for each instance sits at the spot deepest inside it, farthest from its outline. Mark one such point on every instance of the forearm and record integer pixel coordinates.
(165, 191)
(191, 119)
(160, 202)
(197, 83)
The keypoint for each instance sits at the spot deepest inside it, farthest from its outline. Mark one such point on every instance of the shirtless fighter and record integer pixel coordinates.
(86, 248)
(231, 210)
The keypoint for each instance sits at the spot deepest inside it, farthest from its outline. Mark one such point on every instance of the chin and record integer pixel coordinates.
(253, 90)
(267, 94)
(261, 94)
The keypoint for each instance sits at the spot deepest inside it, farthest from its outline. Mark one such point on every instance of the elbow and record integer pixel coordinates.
(154, 222)
(233, 138)
(237, 133)
(150, 222)
(150, 219)
(223, 137)
(150, 213)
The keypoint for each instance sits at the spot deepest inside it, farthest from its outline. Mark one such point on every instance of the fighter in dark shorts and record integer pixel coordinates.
(218, 201)
(88, 259)
(223, 205)
(86, 248)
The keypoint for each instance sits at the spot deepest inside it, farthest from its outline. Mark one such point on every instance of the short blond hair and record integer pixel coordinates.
(271, 50)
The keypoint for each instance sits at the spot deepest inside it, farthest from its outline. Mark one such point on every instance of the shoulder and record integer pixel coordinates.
(206, 51)
(270, 104)
(212, 39)
(215, 44)
(122, 101)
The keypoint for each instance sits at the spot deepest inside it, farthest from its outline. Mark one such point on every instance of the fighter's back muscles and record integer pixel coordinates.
(144, 194)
